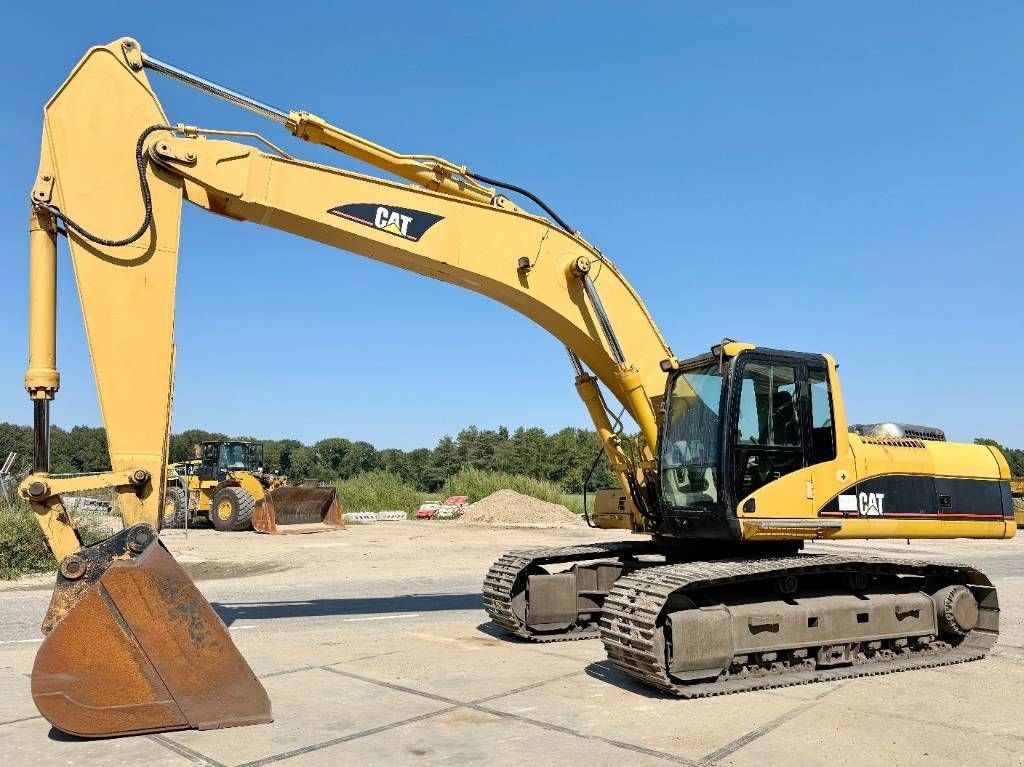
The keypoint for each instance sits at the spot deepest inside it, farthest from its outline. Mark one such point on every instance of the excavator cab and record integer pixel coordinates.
(736, 424)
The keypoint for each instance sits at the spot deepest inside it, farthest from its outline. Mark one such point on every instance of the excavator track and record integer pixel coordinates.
(633, 621)
(505, 584)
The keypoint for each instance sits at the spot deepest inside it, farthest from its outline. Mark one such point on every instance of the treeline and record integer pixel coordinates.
(563, 457)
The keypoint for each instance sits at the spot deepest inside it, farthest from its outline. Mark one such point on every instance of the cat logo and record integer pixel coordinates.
(402, 222)
(870, 504)
(394, 222)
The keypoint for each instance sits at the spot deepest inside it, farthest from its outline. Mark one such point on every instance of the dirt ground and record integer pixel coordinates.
(374, 649)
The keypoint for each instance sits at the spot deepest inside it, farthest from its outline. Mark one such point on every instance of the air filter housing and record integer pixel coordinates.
(893, 430)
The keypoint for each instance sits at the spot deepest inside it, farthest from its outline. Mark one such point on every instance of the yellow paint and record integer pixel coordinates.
(859, 458)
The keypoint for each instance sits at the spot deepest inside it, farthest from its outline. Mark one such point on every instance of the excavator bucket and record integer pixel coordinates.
(132, 647)
(298, 510)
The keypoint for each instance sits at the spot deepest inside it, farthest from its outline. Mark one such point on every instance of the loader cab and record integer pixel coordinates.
(218, 458)
(733, 424)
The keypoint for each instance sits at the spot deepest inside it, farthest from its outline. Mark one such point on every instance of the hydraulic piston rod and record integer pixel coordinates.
(213, 88)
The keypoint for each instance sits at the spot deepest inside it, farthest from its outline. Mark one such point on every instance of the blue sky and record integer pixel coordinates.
(801, 175)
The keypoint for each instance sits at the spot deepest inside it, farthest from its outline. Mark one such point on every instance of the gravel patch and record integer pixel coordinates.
(507, 508)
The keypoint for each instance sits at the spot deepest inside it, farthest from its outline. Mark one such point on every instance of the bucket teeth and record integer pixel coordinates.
(133, 647)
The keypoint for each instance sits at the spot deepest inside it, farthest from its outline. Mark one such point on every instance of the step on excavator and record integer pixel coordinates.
(743, 454)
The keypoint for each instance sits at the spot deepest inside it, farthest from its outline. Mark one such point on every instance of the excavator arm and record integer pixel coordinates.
(115, 172)
(112, 176)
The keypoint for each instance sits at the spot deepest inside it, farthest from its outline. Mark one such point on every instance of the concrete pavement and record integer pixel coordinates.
(374, 649)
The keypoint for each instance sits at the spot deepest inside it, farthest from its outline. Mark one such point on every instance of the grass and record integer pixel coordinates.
(383, 491)
(377, 491)
(23, 548)
(479, 484)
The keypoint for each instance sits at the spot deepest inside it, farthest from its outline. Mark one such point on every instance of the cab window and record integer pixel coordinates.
(769, 440)
(690, 443)
(823, 438)
(768, 407)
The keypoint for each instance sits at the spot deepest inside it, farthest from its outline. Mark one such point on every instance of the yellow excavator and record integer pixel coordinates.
(228, 486)
(743, 452)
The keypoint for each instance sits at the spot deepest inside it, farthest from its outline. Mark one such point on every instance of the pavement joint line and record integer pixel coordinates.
(371, 657)
(23, 719)
(285, 672)
(524, 688)
(182, 750)
(476, 706)
(393, 686)
(758, 732)
(346, 738)
(577, 734)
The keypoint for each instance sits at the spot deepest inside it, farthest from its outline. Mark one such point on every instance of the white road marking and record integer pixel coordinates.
(240, 628)
(381, 618)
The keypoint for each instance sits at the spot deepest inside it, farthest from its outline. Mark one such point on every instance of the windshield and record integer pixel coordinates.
(234, 455)
(689, 452)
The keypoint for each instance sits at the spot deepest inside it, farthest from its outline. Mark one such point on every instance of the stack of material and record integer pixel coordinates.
(507, 508)
(360, 516)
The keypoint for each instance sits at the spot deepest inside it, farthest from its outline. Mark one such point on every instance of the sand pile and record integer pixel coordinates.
(507, 508)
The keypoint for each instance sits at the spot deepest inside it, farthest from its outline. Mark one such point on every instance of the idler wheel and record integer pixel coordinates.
(956, 609)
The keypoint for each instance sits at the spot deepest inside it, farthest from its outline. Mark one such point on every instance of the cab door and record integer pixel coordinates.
(770, 435)
(828, 450)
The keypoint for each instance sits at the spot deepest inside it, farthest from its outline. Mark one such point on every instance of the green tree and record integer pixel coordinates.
(331, 453)
(360, 459)
(395, 461)
(526, 455)
(418, 463)
(16, 439)
(89, 449)
(443, 463)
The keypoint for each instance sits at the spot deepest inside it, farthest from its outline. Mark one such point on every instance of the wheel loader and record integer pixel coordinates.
(743, 452)
(228, 486)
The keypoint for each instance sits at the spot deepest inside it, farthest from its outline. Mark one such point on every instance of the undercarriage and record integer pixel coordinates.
(697, 627)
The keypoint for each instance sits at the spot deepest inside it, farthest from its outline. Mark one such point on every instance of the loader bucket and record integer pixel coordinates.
(133, 647)
(298, 510)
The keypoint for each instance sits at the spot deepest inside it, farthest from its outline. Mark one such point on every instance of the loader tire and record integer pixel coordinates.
(231, 510)
(174, 509)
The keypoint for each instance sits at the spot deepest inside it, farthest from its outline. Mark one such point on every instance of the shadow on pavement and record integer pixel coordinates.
(494, 630)
(606, 672)
(406, 603)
